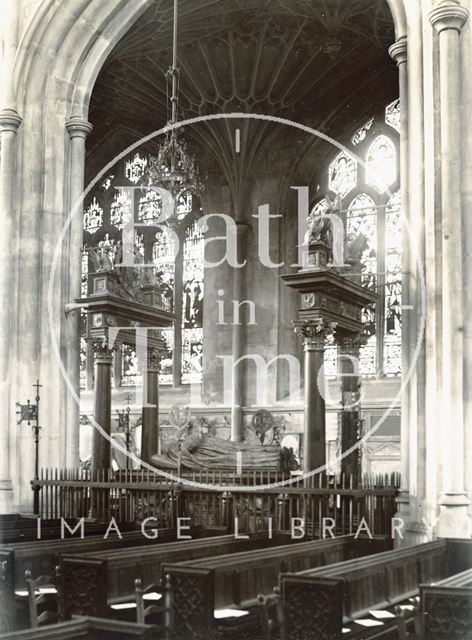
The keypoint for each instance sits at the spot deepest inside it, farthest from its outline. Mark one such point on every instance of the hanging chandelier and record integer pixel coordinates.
(174, 169)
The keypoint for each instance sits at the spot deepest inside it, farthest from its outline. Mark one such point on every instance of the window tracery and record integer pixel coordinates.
(392, 114)
(342, 174)
(113, 206)
(381, 164)
(372, 206)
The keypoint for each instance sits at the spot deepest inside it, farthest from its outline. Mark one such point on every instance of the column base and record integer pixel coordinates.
(6, 497)
(454, 520)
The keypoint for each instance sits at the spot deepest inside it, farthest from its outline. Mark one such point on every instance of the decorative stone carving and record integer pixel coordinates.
(314, 332)
(350, 343)
(101, 349)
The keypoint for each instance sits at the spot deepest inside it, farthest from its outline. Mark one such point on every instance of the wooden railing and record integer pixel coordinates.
(135, 496)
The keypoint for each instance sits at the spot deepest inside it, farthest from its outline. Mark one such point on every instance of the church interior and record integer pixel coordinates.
(236, 336)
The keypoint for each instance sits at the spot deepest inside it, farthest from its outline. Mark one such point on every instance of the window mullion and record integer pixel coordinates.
(178, 292)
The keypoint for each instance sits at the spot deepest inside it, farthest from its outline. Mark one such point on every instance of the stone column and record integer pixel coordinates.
(314, 334)
(9, 123)
(101, 450)
(78, 129)
(150, 425)
(348, 367)
(448, 19)
(237, 395)
(399, 52)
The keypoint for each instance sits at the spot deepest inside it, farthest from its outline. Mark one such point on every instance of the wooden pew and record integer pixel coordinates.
(321, 600)
(41, 556)
(91, 581)
(446, 607)
(85, 628)
(236, 580)
(26, 529)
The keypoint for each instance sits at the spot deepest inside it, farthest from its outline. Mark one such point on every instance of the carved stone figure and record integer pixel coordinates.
(318, 232)
(204, 451)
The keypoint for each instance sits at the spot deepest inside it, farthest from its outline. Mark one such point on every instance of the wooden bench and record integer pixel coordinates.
(26, 529)
(321, 600)
(235, 580)
(41, 556)
(94, 580)
(446, 607)
(85, 628)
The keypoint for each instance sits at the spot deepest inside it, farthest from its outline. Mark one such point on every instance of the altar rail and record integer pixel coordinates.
(140, 495)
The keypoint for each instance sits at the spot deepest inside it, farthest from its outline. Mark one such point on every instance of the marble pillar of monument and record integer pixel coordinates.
(349, 345)
(150, 423)
(101, 447)
(314, 335)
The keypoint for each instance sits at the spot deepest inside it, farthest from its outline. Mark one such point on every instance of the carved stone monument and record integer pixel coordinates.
(121, 301)
(332, 300)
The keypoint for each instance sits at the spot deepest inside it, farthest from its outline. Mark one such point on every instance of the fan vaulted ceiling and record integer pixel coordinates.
(320, 62)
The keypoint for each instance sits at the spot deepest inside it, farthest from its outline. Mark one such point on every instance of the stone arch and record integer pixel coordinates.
(55, 69)
(398, 11)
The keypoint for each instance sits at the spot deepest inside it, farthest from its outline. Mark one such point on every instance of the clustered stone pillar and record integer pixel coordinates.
(78, 129)
(399, 53)
(237, 395)
(101, 449)
(348, 362)
(9, 123)
(150, 424)
(314, 333)
(448, 19)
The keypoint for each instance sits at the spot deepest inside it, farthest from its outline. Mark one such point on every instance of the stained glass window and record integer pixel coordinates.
(392, 114)
(131, 375)
(149, 207)
(85, 268)
(163, 257)
(361, 133)
(381, 164)
(93, 217)
(342, 174)
(106, 184)
(192, 306)
(135, 167)
(330, 358)
(362, 219)
(120, 213)
(166, 375)
(393, 286)
(372, 210)
(108, 209)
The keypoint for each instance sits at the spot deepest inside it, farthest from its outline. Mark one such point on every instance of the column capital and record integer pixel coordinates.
(449, 14)
(77, 127)
(314, 332)
(101, 349)
(154, 357)
(399, 50)
(10, 120)
(349, 343)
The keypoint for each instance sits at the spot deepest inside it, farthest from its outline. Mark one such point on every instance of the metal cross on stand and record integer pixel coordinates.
(124, 425)
(29, 413)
